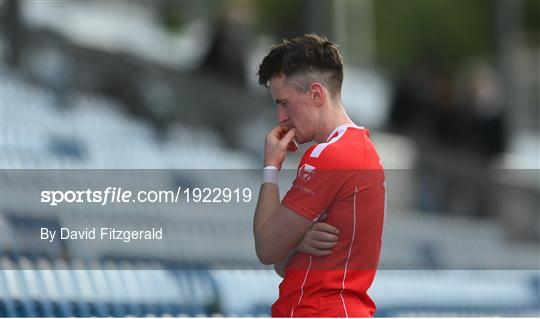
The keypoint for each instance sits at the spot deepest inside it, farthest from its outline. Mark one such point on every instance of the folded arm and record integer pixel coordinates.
(317, 241)
(276, 228)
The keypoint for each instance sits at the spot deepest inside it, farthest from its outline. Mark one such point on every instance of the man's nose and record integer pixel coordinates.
(282, 114)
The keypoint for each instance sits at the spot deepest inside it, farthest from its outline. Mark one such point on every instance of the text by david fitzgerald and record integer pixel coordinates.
(103, 233)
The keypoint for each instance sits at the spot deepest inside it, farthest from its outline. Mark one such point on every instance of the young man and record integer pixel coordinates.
(341, 178)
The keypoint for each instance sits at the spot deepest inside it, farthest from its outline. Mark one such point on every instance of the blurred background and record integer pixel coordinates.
(449, 89)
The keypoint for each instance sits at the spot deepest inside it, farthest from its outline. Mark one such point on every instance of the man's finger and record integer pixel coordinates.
(324, 244)
(288, 137)
(326, 228)
(324, 236)
(278, 131)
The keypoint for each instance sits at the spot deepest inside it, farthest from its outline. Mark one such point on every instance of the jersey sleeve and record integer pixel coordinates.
(314, 188)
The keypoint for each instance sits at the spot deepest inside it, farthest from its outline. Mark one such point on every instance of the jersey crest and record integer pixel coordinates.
(306, 172)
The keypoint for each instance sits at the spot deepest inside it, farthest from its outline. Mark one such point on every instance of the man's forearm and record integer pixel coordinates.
(267, 205)
(276, 228)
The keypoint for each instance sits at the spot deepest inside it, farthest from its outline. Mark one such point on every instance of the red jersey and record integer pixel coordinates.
(343, 177)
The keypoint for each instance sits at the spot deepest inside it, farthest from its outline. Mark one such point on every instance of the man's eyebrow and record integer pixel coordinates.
(279, 101)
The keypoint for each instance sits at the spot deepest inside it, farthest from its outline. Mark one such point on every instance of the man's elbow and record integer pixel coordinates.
(266, 260)
(267, 256)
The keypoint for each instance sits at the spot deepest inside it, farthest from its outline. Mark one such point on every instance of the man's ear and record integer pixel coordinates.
(317, 93)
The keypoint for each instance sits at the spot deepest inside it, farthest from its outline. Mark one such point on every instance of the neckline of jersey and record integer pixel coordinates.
(342, 128)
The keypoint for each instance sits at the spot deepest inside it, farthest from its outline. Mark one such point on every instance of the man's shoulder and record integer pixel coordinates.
(347, 147)
(332, 155)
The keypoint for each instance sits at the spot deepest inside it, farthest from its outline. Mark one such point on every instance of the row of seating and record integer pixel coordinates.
(82, 289)
(405, 292)
(43, 287)
(94, 131)
(456, 290)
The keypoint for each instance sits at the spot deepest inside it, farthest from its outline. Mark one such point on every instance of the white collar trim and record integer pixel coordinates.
(341, 129)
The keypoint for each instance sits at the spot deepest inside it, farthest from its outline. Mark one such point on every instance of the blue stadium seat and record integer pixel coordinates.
(15, 290)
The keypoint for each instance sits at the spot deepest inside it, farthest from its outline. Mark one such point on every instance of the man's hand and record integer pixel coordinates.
(278, 141)
(319, 240)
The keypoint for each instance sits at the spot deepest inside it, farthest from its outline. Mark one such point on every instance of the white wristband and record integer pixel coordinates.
(270, 174)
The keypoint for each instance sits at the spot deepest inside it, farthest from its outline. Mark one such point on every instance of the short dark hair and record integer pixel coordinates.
(311, 57)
